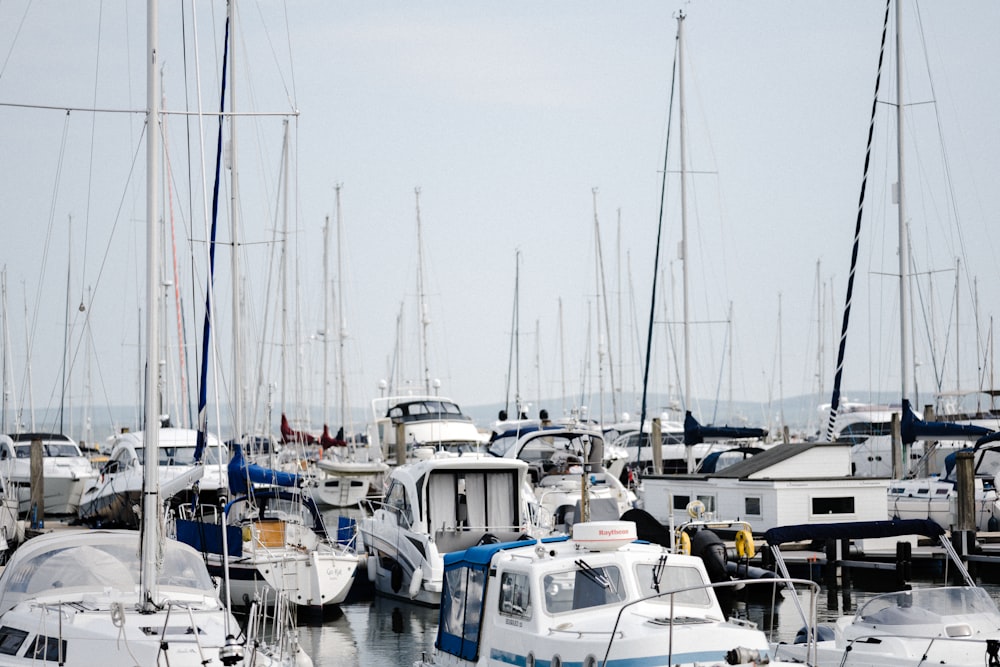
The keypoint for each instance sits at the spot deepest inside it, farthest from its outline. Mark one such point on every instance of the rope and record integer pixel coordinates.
(835, 400)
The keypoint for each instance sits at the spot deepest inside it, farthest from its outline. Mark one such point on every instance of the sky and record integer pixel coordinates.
(536, 134)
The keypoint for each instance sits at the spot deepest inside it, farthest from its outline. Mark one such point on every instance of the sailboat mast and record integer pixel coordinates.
(424, 319)
(686, 391)
(238, 419)
(150, 484)
(905, 371)
(326, 322)
(341, 316)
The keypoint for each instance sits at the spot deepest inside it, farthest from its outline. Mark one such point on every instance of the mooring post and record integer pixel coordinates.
(964, 530)
(36, 514)
(656, 441)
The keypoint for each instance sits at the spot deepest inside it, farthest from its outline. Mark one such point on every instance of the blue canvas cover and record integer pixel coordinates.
(852, 530)
(464, 593)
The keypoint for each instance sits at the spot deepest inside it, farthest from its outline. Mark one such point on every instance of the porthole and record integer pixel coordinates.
(530, 660)
(556, 661)
(590, 661)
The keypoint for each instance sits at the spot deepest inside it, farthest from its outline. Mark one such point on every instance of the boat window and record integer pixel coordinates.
(681, 502)
(11, 640)
(462, 601)
(515, 595)
(395, 500)
(751, 505)
(583, 588)
(839, 505)
(673, 578)
(47, 648)
(23, 451)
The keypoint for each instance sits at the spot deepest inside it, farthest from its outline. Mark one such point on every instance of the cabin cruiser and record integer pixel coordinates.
(402, 423)
(112, 497)
(437, 505)
(66, 471)
(597, 597)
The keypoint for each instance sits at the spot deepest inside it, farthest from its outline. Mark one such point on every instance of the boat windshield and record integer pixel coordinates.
(655, 578)
(923, 606)
(180, 456)
(583, 588)
(48, 449)
(99, 567)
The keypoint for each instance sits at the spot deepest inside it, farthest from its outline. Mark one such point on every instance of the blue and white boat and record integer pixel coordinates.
(597, 597)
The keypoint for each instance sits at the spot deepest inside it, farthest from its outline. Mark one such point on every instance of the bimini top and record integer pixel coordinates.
(853, 529)
(482, 554)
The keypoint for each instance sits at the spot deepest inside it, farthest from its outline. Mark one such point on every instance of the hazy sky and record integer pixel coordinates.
(508, 117)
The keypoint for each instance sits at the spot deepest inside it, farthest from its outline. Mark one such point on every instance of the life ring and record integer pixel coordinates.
(416, 580)
(396, 576)
(695, 509)
(685, 544)
(745, 547)
(372, 565)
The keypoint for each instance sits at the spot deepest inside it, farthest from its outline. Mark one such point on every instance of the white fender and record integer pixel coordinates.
(372, 564)
(415, 582)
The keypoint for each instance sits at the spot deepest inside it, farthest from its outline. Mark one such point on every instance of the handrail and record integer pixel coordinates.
(811, 621)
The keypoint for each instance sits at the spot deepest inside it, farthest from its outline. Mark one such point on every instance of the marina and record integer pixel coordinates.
(231, 436)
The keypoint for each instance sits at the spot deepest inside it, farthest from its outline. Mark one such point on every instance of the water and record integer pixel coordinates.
(379, 633)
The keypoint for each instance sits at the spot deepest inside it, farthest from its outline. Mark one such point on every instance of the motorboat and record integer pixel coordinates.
(275, 541)
(401, 423)
(70, 597)
(113, 495)
(66, 471)
(595, 597)
(956, 625)
(563, 461)
(438, 505)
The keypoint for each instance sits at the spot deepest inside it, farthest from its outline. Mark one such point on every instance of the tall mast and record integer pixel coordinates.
(341, 316)
(238, 419)
(326, 322)
(424, 318)
(905, 369)
(686, 391)
(150, 535)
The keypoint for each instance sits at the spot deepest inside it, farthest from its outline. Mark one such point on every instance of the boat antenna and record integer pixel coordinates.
(838, 375)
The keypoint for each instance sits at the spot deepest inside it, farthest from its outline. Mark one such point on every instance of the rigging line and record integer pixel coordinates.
(17, 33)
(945, 163)
(209, 300)
(838, 376)
(93, 141)
(656, 260)
(48, 238)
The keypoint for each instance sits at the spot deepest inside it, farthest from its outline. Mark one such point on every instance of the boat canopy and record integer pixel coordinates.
(695, 433)
(243, 473)
(852, 530)
(464, 594)
(912, 428)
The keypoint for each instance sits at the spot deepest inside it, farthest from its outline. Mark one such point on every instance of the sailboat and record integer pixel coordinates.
(909, 495)
(79, 597)
(350, 470)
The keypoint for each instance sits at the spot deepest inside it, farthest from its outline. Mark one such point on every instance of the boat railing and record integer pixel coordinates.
(671, 620)
(938, 649)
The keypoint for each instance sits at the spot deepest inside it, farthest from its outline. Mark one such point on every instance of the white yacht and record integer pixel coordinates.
(66, 471)
(110, 499)
(441, 504)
